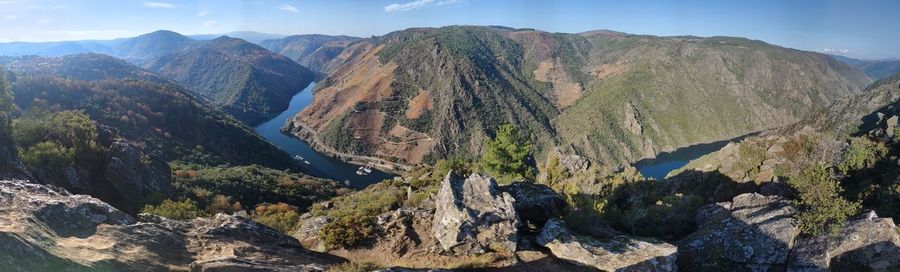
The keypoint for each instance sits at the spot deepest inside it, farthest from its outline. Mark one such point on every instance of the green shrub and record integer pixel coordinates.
(505, 156)
(281, 216)
(354, 267)
(823, 210)
(347, 231)
(862, 153)
(47, 155)
(178, 210)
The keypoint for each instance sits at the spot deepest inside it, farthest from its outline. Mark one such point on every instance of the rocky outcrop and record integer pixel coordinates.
(620, 253)
(757, 233)
(474, 216)
(866, 243)
(135, 174)
(536, 203)
(43, 228)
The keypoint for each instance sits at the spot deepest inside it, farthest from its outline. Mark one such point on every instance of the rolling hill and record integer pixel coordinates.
(312, 51)
(243, 79)
(171, 121)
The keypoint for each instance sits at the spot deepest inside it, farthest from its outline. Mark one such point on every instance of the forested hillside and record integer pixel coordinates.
(421, 94)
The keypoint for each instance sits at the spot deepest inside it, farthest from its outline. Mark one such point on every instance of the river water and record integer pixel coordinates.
(319, 165)
(327, 167)
(664, 163)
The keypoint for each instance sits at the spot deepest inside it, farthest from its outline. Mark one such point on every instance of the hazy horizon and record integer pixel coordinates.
(863, 29)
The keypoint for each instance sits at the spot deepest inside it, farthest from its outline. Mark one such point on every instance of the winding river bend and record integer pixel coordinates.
(319, 165)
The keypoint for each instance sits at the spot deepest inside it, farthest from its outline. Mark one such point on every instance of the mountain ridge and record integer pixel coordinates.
(557, 86)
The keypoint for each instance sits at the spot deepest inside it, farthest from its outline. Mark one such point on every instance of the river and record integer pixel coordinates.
(666, 162)
(319, 165)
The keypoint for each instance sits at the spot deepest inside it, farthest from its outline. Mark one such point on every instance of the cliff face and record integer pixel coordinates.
(420, 94)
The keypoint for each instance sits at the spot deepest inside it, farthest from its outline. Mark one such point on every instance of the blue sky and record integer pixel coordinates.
(864, 29)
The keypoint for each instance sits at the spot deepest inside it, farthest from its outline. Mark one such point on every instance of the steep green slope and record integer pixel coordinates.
(420, 94)
(313, 51)
(245, 80)
(666, 93)
(171, 122)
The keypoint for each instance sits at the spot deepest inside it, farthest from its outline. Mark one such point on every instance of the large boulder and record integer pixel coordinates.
(866, 243)
(536, 203)
(757, 233)
(751, 232)
(473, 216)
(136, 175)
(620, 253)
(43, 228)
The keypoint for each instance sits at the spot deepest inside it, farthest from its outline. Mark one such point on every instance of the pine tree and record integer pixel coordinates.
(505, 156)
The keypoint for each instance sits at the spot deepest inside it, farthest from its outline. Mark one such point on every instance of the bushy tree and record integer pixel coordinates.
(281, 216)
(347, 232)
(862, 153)
(823, 209)
(6, 106)
(505, 155)
(178, 210)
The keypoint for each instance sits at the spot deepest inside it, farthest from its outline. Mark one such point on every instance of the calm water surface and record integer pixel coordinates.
(664, 163)
(319, 165)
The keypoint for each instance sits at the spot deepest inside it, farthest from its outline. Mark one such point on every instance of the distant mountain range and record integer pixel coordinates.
(876, 69)
(313, 51)
(250, 36)
(239, 77)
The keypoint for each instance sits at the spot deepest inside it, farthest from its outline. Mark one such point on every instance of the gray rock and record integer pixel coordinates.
(308, 232)
(751, 232)
(870, 241)
(473, 216)
(536, 203)
(620, 253)
(137, 175)
(757, 233)
(43, 228)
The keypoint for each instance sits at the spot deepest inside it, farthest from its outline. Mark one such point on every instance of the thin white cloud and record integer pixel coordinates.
(418, 4)
(209, 24)
(290, 8)
(834, 51)
(59, 7)
(203, 12)
(10, 17)
(45, 20)
(6, 2)
(148, 4)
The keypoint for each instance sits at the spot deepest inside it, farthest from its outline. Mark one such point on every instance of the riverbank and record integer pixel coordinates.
(301, 131)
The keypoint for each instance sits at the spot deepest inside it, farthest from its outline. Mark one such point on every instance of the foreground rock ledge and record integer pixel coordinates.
(757, 233)
(620, 253)
(43, 228)
(472, 216)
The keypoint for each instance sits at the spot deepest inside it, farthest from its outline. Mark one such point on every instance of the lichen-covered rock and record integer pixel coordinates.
(866, 243)
(473, 216)
(619, 253)
(136, 175)
(757, 233)
(308, 231)
(753, 231)
(536, 203)
(43, 228)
